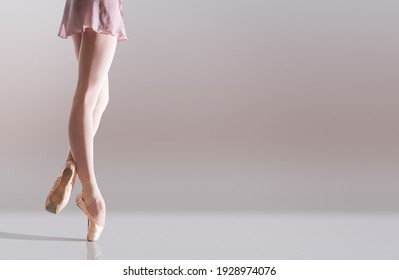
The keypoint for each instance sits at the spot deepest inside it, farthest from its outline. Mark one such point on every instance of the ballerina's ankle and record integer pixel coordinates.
(90, 188)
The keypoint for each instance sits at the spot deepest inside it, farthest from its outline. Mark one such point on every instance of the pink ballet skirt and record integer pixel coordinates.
(104, 16)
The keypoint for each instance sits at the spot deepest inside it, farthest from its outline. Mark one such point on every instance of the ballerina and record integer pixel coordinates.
(96, 26)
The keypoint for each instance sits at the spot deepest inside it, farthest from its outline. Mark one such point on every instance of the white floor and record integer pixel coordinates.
(201, 236)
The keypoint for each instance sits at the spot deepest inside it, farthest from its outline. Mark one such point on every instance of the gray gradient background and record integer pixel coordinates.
(215, 105)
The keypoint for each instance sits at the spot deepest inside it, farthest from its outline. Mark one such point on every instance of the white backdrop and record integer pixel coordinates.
(226, 105)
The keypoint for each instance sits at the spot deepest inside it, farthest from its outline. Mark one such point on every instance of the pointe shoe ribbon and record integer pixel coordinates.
(94, 229)
(60, 193)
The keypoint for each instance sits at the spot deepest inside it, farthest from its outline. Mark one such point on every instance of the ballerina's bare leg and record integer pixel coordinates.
(103, 98)
(94, 61)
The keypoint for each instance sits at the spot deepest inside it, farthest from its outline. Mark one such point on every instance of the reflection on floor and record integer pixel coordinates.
(201, 236)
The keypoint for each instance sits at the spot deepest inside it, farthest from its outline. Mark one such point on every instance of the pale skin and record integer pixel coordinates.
(94, 53)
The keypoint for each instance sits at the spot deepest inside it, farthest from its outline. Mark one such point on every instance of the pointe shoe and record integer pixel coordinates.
(94, 230)
(60, 193)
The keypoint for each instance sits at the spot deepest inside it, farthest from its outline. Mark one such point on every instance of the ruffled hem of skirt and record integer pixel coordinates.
(64, 35)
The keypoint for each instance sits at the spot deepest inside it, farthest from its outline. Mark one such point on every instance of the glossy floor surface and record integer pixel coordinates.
(201, 236)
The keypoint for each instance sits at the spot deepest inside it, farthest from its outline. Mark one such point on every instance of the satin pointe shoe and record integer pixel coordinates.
(94, 230)
(60, 193)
